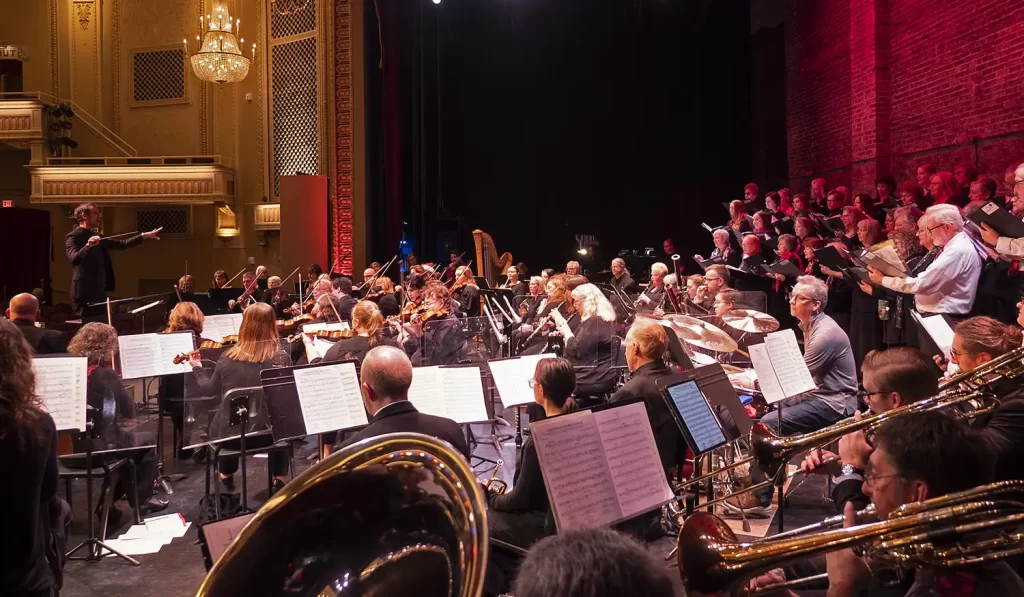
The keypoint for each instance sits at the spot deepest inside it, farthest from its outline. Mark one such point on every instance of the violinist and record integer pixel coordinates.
(220, 279)
(275, 296)
(106, 394)
(432, 338)
(532, 339)
(318, 289)
(383, 293)
(186, 284)
(466, 293)
(368, 324)
(341, 288)
(184, 316)
(251, 293)
(258, 348)
(447, 275)
(368, 275)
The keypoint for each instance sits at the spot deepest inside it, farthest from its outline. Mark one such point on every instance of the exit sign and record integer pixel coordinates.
(8, 203)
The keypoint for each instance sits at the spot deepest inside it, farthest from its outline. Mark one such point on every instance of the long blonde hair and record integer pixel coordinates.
(592, 302)
(367, 318)
(258, 340)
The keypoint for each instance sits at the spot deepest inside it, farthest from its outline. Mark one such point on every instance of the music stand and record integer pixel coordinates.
(283, 403)
(220, 297)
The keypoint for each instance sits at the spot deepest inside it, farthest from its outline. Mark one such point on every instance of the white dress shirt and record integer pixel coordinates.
(949, 284)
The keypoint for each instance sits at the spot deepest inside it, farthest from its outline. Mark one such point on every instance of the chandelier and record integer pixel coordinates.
(219, 58)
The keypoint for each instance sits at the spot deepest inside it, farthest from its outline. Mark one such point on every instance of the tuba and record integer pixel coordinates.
(395, 515)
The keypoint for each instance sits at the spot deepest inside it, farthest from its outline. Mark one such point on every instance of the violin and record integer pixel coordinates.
(285, 326)
(428, 315)
(334, 335)
(204, 345)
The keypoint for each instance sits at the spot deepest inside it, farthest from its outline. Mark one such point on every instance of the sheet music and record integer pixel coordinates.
(788, 363)
(310, 328)
(576, 473)
(633, 459)
(320, 347)
(215, 327)
(512, 378)
(766, 378)
(427, 391)
(218, 535)
(61, 384)
(464, 395)
(939, 331)
(329, 397)
(152, 355)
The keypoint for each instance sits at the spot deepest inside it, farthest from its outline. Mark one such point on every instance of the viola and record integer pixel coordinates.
(204, 345)
(287, 326)
(428, 315)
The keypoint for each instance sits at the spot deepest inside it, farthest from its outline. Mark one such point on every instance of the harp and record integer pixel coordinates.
(488, 264)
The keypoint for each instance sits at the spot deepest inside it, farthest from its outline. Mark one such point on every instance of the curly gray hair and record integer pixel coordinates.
(815, 288)
(97, 341)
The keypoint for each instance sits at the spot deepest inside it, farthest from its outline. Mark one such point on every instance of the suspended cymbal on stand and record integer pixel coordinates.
(750, 321)
(702, 334)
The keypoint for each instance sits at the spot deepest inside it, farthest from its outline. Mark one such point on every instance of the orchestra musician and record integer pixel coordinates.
(28, 442)
(368, 324)
(915, 458)
(23, 311)
(187, 284)
(654, 296)
(250, 293)
(465, 292)
(646, 345)
(93, 272)
(439, 343)
(621, 280)
(261, 278)
(528, 306)
(513, 282)
(572, 268)
(341, 288)
(716, 278)
(98, 343)
(258, 348)
(276, 296)
(220, 279)
(830, 361)
(519, 517)
(589, 348)
(384, 380)
(384, 293)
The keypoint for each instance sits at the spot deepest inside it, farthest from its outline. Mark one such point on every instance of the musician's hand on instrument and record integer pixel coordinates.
(854, 448)
(865, 287)
(989, 235)
(659, 312)
(772, 577)
(556, 317)
(941, 362)
(812, 465)
(93, 241)
(644, 299)
(875, 275)
(153, 234)
(195, 360)
(847, 572)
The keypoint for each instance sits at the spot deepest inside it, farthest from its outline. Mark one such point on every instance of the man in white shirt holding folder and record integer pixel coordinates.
(950, 284)
(1005, 245)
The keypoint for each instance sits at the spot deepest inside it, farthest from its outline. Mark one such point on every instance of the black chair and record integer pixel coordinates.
(107, 470)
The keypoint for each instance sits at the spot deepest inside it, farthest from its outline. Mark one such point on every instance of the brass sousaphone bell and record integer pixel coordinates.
(395, 515)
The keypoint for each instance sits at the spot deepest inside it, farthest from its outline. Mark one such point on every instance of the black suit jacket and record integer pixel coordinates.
(42, 341)
(643, 384)
(346, 302)
(1003, 433)
(402, 417)
(624, 284)
(93, 275)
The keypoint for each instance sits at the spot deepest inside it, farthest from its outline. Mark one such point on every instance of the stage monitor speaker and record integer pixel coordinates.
(304, 215)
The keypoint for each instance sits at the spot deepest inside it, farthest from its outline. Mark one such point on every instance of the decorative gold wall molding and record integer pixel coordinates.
(83, 11)
(21, 120)
(188, 184)
(267, 216)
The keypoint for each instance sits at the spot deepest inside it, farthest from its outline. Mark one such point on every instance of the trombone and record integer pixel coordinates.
(1007, 366)
(918, 534)
(771, 452)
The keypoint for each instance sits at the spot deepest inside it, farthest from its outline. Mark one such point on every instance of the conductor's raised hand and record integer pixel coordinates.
(93, 241)
(153, 234)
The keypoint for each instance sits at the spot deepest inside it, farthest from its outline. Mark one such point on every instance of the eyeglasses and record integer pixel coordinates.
(796, 297)
(871, 479)
(935, 227)
(532, 383)
(862, 393)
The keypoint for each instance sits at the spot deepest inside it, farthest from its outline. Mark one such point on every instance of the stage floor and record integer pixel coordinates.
(178, 569)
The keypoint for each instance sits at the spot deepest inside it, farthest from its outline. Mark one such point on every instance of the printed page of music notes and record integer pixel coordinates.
(788, 362)
(171, 345)
(576, 473)
(61, 384)
(513, 387)
(427, 391)
(633, 459)
(464, 395)
(766, 378)
(140, 355)
(329, 397)
(216, 327)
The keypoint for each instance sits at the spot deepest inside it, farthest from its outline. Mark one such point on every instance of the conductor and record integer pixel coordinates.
(88, 253)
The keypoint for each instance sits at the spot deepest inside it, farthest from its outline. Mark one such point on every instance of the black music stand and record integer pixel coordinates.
(94, 546)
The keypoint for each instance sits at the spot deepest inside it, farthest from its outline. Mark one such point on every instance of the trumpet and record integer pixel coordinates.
(494, 484)
(712, 560)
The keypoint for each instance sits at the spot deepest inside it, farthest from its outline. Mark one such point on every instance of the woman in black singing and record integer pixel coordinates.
(28, 460)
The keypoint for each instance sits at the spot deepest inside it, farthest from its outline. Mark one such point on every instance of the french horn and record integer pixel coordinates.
(395, 515)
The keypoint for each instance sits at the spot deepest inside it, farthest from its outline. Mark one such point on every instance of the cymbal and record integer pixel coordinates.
(699, 359)
(701, 333)
(750, 321)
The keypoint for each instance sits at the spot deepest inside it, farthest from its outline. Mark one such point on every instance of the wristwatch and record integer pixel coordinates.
(848, 470)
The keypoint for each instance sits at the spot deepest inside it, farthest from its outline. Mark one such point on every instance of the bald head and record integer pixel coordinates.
(386, 375)
(23, 306)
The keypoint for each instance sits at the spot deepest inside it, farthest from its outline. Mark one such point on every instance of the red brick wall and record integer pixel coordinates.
(879, 86)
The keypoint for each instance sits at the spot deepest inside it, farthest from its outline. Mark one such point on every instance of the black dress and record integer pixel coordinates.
(29, 464)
